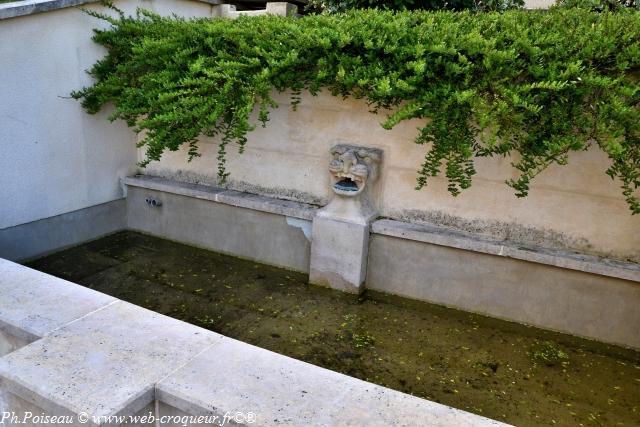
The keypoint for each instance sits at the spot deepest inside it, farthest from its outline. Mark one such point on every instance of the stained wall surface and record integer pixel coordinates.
(574, 207)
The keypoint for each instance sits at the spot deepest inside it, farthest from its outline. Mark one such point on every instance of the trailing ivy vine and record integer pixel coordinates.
(536, 85)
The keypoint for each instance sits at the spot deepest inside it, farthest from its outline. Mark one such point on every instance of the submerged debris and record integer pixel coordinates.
(548, 353)
(363, 340)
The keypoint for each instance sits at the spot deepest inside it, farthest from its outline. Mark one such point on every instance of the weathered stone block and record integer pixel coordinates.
(106, 363)
(341, 230)
(339, 254)
(33, 303)
(256, 387)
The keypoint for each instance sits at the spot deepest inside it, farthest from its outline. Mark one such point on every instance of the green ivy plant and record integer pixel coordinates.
(536, 85)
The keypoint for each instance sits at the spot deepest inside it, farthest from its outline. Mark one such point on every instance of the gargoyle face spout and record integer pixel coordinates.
(352, 167)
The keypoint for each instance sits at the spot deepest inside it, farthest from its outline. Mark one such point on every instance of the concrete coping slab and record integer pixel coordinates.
(105, 364)
(446, 237)
(32, 303)
(31, 7)
(238, 377)
(227, 197)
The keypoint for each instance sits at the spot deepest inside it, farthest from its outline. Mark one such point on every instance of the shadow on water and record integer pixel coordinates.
(502, 370)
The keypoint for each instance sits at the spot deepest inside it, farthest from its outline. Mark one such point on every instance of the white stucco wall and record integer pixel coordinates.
(54, 157)
(576, 206)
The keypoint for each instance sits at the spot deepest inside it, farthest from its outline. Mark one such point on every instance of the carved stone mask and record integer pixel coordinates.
(352, 168)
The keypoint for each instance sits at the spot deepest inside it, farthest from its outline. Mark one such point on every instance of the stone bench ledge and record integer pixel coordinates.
(446, 237)
(227, 197)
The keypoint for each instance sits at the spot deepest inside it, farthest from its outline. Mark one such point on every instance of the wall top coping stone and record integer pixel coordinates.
(446, 237)
(31, 301)
(236, 377)
(103, 364)
(31, 7)
(227, 197)
(119, 358)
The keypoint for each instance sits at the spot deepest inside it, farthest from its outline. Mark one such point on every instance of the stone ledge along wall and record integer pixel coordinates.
(573, 207)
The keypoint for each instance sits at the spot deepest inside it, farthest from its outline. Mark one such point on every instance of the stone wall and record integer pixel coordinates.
(573, 293)
(57, 159)
(575, 207)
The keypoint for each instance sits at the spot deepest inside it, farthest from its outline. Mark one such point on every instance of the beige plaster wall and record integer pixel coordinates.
(576, 206)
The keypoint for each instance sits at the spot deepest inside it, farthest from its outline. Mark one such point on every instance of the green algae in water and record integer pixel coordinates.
(502, 370)
(549, 353)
